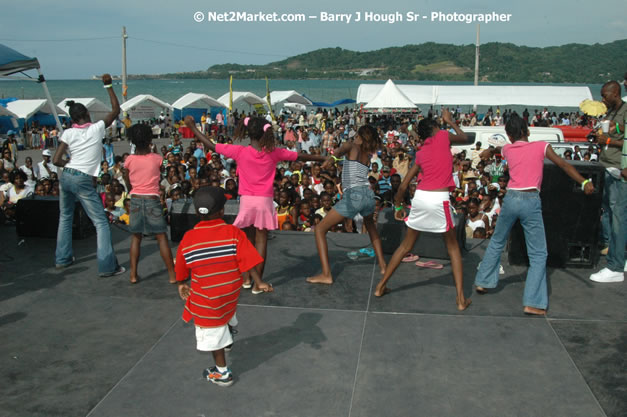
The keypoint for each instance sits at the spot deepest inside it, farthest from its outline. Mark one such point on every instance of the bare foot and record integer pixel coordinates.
(534, 311)
(321, 279)
(463, 303)
(383, 268)
(380, 291)
(172, 279)
(481, 290)
(134, 280)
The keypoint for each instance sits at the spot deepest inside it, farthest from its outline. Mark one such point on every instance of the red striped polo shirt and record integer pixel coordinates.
(215, 254)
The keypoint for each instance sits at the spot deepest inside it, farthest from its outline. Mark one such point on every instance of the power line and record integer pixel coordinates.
(207, 49)
(59, 40)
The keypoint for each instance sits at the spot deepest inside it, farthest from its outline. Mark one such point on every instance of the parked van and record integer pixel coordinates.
(496, 136)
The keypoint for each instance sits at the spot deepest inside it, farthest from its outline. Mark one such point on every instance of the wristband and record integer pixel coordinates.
(108, 86)
(399, 208)
(583, 184)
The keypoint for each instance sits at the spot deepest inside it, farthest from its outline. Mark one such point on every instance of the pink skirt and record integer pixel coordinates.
(256, 211)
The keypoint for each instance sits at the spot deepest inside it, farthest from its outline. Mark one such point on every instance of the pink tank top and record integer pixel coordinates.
(526, 162)
(436, 163)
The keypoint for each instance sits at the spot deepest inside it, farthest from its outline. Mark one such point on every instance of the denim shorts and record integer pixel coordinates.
(147, 216)
(356, 200)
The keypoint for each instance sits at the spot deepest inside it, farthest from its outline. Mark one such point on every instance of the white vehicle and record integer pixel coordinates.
(496, 136)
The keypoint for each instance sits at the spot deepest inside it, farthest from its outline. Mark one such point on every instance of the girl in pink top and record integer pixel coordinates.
(256, 168)
(522, 202)
(142, 174)
(430, 207)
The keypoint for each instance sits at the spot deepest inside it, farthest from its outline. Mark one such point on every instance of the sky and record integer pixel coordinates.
(75, 39)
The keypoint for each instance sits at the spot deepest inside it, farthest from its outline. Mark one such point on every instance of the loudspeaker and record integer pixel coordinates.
(39, 217)
(183, 216)
(572, 220)
(428, 245)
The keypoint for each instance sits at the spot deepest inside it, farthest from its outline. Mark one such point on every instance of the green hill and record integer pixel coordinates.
(499, 62)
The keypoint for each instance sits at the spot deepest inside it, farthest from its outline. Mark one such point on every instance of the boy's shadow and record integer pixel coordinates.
(255, 350)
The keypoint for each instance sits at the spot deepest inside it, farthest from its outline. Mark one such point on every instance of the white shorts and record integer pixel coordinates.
(209, 339)
(430, 212)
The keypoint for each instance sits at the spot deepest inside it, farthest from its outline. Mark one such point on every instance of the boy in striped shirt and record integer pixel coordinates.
(215, 254)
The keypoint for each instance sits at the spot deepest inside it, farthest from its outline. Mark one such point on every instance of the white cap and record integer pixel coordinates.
(46, 152)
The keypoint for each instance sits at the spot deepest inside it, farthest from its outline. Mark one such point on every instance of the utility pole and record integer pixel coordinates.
(124, 87)
(476, 63)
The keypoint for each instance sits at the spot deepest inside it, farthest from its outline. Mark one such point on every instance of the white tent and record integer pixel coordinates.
(295, 106)
(288, 96)
(196, 101)
(144, 106)
(489, 95)
(240, 97)
(390, 97)
(97, 109)
(25, 109)
(6, 112)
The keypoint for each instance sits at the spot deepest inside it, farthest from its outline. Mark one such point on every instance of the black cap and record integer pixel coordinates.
(209, 200)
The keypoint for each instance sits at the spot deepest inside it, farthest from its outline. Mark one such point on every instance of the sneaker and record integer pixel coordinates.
(501, 270)
(61, 266)
(607, 275)
(118, 271)
(213, 375)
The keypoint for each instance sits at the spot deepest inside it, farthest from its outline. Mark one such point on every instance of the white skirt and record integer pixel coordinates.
(430, 212)
(209, 339)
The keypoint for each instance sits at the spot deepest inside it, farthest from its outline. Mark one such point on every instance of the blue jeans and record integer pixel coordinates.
(527, 207)
(77, 185)
(614, 221)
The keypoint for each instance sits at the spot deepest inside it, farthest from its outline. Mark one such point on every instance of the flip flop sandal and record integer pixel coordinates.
(429, 265)
(257, 292)
(247, 286)
(410, 257)
(367, 251)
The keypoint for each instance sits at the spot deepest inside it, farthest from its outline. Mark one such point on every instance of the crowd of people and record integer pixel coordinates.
(303, 192)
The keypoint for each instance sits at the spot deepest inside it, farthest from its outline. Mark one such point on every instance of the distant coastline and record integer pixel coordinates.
(433, 62)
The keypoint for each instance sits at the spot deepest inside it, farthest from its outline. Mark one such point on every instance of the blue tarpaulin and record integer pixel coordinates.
(334, 104)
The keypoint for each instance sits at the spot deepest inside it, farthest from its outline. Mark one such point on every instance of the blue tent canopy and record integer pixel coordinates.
(12, 61)
(334, 104)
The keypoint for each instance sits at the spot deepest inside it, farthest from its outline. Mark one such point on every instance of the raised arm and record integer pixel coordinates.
(569, 169)
(459, 136)
(191, 124)
(115, 105)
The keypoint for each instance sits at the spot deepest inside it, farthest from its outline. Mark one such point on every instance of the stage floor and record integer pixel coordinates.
(74, 344)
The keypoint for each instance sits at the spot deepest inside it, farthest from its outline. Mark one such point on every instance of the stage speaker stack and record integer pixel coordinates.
(571, 218)
(428, 245)
(183, 216)
(39, 217)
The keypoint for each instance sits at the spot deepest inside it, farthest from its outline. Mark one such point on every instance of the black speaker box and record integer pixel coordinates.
(572, 220)
(39, 217)
(428, 245)
(183, 216)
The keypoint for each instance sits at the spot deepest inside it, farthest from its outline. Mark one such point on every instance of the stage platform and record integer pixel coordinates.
(74, 344)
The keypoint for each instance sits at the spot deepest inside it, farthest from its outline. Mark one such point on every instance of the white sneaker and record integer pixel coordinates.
(625, 270)
(606, 275)
(502, 271)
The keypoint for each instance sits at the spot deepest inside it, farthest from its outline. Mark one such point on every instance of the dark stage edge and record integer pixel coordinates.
(75, 344)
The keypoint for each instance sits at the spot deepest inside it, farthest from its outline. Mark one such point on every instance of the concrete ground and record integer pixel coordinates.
(74, 344)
